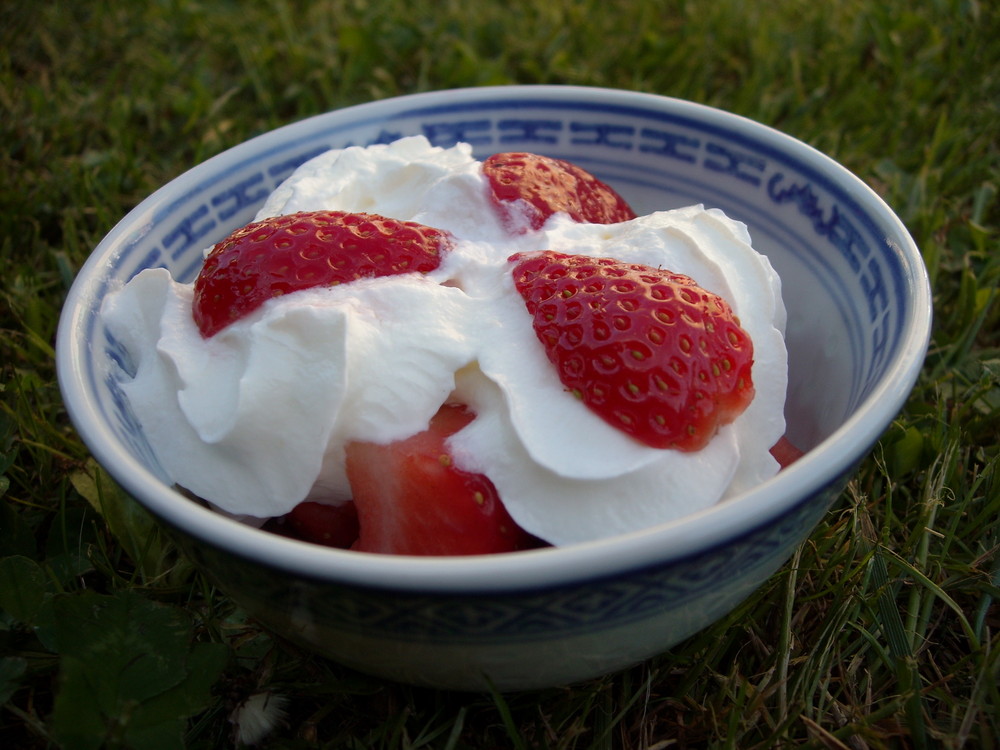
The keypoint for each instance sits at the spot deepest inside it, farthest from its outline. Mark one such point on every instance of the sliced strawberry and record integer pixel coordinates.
(647, 350)
(412, 499)
(288, 253)
(785, 452)
(321, 523)
(547, 186)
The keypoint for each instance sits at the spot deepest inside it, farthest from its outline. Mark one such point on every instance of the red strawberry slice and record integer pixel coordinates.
(321, 523)
(647, 350)
(785, 452)
(547, 186)
(288, 253)
(412, 500)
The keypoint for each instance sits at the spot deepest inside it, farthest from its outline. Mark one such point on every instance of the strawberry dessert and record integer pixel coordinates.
(410, 351)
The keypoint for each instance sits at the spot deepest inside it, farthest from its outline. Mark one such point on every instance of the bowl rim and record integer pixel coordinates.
(657, 546)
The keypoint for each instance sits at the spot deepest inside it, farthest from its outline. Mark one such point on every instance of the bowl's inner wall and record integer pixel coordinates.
(841, 274)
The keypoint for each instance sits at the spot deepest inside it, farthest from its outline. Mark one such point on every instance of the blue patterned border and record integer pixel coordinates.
(546, 614)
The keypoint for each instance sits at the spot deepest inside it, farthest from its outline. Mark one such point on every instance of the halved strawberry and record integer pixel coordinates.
(412, 500)
(288, 253)
(547, 186)
(649, 351)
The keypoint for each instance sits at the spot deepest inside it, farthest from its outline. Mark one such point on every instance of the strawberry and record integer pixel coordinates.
(785, 452)
(412, 499)
(321, 523)
(647, 350)
(551, 185)
(288, 253)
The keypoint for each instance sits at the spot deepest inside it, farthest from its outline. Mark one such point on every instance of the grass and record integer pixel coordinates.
(881, 632)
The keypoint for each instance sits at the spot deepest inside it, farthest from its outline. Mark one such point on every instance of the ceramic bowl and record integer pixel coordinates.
(859, 309)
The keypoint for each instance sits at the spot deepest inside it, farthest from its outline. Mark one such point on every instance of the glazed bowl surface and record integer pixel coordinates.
(859, 314)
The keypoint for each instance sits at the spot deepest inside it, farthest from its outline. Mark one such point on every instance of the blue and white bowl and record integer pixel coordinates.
(859, 309)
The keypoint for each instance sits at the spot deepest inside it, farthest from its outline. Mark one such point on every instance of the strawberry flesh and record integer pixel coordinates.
(298, 251)
(649, 351)
(785, 452)
(411, 499)
(544, 186)
(322, 523)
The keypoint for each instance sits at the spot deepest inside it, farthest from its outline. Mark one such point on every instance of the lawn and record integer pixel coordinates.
(883, 631)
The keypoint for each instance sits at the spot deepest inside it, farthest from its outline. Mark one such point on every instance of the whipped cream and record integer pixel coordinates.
(255, 418)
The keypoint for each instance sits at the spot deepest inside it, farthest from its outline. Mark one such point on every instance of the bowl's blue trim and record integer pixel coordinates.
(532, 614)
